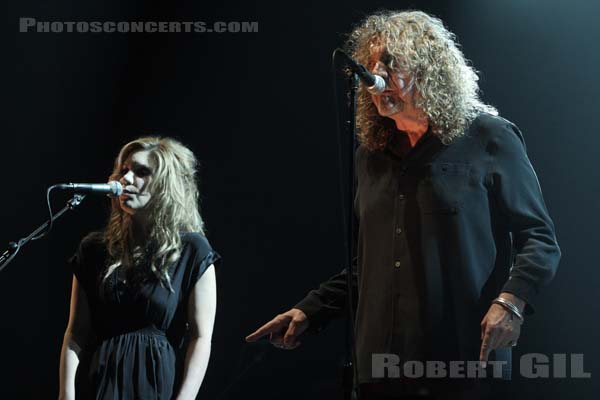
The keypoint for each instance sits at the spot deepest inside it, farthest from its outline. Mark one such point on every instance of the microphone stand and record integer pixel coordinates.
(347, 131)
(14, 247)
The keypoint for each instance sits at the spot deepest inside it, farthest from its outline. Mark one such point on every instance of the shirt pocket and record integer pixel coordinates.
(442, 187)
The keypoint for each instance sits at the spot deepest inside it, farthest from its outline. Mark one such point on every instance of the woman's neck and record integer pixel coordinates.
(139, 230)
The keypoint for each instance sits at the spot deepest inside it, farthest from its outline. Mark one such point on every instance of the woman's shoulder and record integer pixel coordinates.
(93, 238)
(93, 242)
(89, 257)
(202, 253)
(197, 241)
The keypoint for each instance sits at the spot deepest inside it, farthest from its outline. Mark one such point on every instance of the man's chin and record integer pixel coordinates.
(386, 112)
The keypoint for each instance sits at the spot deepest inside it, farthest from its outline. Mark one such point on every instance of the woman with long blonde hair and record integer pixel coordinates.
(144, 294)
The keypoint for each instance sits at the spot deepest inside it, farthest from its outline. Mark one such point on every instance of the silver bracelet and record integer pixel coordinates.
(509, 306)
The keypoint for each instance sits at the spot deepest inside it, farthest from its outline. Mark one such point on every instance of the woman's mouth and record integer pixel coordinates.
(127, 194)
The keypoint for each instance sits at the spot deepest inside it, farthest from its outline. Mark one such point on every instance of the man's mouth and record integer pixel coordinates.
(390, 99)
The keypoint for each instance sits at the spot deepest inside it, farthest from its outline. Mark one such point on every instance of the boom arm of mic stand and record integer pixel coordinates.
(14, 247)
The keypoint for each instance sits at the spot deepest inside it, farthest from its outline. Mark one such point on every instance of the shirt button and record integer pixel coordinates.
(397, 264)
(401, 196)
(398, 230)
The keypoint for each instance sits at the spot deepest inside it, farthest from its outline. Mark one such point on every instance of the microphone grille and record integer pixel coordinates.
(116, 189)
(378, 86)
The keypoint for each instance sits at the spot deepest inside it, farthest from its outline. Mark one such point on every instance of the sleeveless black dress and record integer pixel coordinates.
(137, 346)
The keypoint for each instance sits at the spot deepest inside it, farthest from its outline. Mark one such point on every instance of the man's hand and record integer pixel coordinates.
(500, 327)
(283, 330)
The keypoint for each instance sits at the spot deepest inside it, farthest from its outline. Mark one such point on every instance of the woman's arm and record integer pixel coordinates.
(74, 340)
(201, 317)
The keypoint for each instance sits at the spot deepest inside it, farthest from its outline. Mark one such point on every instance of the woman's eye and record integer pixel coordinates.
(142, 172)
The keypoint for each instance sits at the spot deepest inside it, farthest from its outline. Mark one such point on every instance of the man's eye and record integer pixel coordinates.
(386, 59)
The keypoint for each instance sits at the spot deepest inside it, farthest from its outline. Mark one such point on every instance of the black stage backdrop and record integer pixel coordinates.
(258, 110)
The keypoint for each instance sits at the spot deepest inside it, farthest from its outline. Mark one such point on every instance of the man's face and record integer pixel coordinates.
(395, 96)
(136, 175)
(397, 101)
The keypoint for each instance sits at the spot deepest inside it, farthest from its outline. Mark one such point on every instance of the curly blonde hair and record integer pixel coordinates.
(173, 208)
(445, 85)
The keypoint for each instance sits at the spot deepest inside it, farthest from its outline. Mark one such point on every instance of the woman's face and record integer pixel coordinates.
(136, 174)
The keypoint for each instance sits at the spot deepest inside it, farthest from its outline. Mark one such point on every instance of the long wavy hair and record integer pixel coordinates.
(173, 208)
(446, 88)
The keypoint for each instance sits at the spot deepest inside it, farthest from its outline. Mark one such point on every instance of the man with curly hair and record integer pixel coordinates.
(454, 239)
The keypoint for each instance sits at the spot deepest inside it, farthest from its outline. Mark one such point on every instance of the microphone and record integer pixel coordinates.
(375, 84)
(112, 188)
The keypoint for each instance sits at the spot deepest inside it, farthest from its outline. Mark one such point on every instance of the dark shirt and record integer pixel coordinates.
(442, 231)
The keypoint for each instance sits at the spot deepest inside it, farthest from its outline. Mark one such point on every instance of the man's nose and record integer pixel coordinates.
(380, 69)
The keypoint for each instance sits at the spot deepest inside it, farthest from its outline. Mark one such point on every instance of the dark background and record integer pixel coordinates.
(258, 110)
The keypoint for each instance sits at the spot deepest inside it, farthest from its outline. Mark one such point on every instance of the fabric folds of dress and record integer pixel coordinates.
(137, 346)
